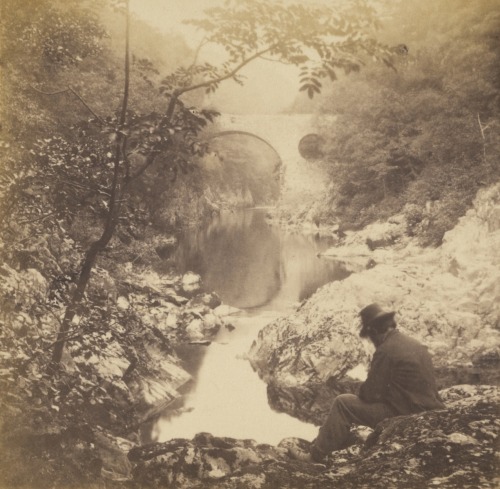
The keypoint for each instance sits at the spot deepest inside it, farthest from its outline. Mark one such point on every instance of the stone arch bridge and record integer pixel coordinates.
(300, 179)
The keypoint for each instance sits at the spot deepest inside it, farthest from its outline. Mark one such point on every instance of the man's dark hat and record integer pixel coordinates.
(371, 315)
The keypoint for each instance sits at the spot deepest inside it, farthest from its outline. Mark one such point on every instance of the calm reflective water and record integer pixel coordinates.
(265, 272)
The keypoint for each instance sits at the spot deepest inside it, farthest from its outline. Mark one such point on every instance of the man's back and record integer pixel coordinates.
(402, 375)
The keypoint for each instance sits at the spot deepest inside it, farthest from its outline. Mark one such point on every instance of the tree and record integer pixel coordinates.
(115, 152)
(415, 136)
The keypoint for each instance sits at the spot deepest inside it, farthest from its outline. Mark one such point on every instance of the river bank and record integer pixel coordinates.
(451, 448)
(89, 435)
(74, 426)
(447, 297)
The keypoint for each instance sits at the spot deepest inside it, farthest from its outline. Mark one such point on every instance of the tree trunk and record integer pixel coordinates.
(83, 280)
(117, 194)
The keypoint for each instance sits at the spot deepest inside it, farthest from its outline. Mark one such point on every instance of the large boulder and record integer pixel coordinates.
(152, 393)
(205, 458)
(471, 251)
(447, 298)
(203, 329)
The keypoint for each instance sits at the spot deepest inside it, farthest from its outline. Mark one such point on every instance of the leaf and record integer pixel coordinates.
(298, 59)
(332, 75)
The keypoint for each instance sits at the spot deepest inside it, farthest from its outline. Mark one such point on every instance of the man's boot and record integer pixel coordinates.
(313, 456)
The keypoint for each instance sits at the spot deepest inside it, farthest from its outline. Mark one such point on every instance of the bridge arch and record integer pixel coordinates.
(251, 166)
(299, 179)
(245, 133)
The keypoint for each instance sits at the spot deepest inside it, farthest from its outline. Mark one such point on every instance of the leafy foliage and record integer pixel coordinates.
(317, 39)
(416, 136)
(53, 33)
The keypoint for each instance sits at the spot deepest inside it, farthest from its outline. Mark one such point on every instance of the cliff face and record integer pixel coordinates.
(447, 297)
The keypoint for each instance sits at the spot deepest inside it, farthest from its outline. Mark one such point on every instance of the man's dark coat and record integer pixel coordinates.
(401, 375)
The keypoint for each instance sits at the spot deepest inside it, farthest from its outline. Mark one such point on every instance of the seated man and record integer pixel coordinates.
(400, 381)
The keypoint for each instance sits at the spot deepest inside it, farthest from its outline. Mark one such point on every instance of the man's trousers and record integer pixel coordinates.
(348, 409)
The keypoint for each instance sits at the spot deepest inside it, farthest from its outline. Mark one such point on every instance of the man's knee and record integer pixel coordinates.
(346, 399)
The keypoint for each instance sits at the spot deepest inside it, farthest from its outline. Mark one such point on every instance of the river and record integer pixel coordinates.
(265, 272)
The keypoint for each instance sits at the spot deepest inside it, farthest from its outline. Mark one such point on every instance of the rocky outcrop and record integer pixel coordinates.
(172, 313)
(122, 371)
(450, 448)
(446, 297)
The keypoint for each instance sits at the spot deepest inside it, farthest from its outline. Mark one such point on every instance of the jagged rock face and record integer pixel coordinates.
(451, 448)
(471, 251)
(205, 458)
(301, 354)
(456, 447)
(173, 313)
(447, 298)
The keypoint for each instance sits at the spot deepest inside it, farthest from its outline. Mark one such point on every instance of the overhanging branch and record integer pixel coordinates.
(228, 75)
(76, 94)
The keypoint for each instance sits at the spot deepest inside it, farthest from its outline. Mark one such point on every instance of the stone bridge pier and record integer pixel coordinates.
(301, 179)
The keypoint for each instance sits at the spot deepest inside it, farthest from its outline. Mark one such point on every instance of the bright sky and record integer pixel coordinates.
(270, 87)
(167, 15)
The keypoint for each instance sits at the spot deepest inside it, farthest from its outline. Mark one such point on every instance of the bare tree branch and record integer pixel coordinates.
(226, 76)
(76, 94)
(482, 126)
(38, 218)
(116, 192)
(286, 63)
(86, 187)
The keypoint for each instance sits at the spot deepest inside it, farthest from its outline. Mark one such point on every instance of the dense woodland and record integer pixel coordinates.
(420, 138)
(101, 157)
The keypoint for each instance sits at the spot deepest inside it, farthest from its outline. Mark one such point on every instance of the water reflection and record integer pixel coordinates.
(250, 263)
(265, 271)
